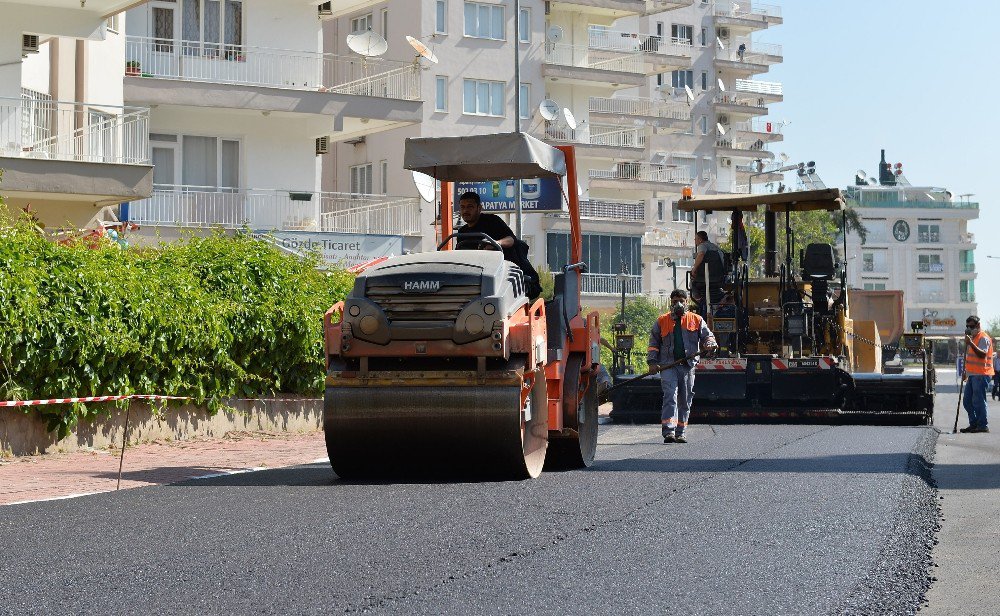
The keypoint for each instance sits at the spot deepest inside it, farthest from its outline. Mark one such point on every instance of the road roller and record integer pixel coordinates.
(440, 364)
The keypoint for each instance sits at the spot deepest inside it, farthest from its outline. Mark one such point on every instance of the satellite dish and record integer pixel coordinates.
(719, 43)
(579, 190)
(690, 94)
(872, 181)
(722, 86)
(554, 34)
(368, 44)
(783, 156)
(862, 175)
(722, 130)
(548, 109)
(570, 119)
(426, 186)
(421, 49)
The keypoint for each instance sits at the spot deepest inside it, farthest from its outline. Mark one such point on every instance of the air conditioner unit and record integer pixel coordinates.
(322, 145)
(325, 9)
(724, 120)
(723, 33)
(29, 44)
(726, 162)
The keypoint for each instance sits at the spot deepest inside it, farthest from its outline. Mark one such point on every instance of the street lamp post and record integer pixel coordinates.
(673, 265)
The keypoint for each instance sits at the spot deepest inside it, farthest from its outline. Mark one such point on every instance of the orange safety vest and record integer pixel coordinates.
(975, 364)
(690, 321)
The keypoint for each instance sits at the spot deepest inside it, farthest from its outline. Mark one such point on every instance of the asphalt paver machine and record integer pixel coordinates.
(788, 344)
(438, 363)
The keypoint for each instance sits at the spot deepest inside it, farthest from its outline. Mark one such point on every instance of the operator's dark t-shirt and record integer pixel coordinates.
(490, 224)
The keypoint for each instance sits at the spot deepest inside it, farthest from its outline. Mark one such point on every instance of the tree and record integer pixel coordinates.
(993, 327)
(547, 281)
(639, 316)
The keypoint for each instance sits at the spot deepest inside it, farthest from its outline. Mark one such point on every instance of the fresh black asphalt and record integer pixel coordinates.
(744, 519)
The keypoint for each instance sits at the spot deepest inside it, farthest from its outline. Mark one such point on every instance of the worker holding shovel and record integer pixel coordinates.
(678, 337)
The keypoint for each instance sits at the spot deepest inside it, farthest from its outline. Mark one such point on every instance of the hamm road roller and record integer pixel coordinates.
(439, 363)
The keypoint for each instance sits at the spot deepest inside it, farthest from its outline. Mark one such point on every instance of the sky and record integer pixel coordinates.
(916, 78)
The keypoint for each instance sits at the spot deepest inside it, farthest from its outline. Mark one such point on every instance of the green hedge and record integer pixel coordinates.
(208, 318)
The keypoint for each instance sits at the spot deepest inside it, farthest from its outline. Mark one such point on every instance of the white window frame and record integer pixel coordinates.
(384, 16)
(682, 33)
(112, 23)
(681, 78)
(703, 124)
(489, 31)
(524, 25)
(161, 140)
(524, 113)
(361, 179)
(441, 94)
(384, 180)
(441, 17)
(704, 81)
(493, 90)
(201, 45)
(362, 23)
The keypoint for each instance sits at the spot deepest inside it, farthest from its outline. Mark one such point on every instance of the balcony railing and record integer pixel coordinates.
(967, 268)
(743, 9)
(746, 145)
(625, 211)
(632, 42)
(582, 56)
(874, 268)
(86, 132)
(610, 284)
(923, 205)
(232, 208)
(742, 101)
(598, 134)
(931, 296)
(638, 107)
(935, 268)
(967, 297)
(752, 86)
(272, 68)
(758, 126)
(928, 238)
(642, 172)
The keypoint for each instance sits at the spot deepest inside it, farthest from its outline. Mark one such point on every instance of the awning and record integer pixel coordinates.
(827, 199)
(478, 158)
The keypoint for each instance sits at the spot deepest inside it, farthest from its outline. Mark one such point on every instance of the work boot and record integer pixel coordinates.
(669, 438)
(680, 438)
(967, 430)
(978, 430)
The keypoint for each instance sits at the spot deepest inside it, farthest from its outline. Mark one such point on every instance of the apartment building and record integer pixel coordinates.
(620, 67)
(71, 148)
(917, 241)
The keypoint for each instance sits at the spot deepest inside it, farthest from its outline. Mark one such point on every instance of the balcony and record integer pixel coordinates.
(763, 91)
(599, 140)
(736, 147)
(663, 116)
(874, 268)
(743, 172)
(967, 297)
(640, 177)
(928, 238)
(930, 296)
(746, 15)
(275, 210)
(733, 104)
(623, 211)
(967, 268)
(756, 58)
(610, 284)
(68, 151)
(617, 8)
(933, 268)
(759, 129)
(660, 54)
(583, 65)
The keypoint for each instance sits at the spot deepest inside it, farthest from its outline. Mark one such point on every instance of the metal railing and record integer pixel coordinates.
(967, 268)
(273, 68)
(758, 126)
(638, 107)
(744, 145)
(670, 238)
(931, 296)
(625, 211)
(597, 134)
(930, 267)
(71, 131)
(967, 238)
(633, 42)
(610, 284)
(730, 99)
(260, 209)
(927, 205)
(642, 172)
(583, 56)
(753, 53)
(744, 9)
(928, 238)
(967, 297)
(752, 86)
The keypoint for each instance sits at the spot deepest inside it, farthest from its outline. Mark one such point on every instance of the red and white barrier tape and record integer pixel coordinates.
(88, 399)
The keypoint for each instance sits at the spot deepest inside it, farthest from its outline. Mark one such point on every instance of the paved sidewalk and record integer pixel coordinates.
(33, 478)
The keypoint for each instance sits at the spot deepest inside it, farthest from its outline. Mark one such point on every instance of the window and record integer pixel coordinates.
(524, 26)
(928, 234)
(484, 21)
(704, 80)
(482, 97)
(440, 17)
(112, 23)
(659, 29)
(681, 216)
(968, 261)
(679, 79)
(703, 124)
(384, 169)
(361, 24)
(210, 162)
(868, 262)
(604, 254)
(680, 33)
(385, 24)
(209, 26)
(525, 102)
(874, 286)
(361, 179)
(930, 263)
(163, 29)
(660, 207)
(707, 166)
(703, 37)
(967, 290)
(659, 79)
(101, 135)
(440, 93)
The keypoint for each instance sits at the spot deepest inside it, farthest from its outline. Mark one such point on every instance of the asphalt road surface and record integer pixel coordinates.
(745, 519)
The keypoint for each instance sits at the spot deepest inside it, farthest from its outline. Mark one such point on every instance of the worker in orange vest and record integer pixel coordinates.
(979, 372)
(677, 335)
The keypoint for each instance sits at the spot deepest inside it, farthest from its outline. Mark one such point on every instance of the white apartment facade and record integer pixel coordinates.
(918, 241)
(71, 148)
(620, 67)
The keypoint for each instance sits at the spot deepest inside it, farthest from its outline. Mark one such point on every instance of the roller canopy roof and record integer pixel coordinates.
(827, 199)
(478, 158)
